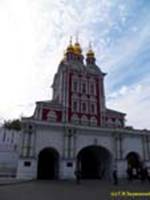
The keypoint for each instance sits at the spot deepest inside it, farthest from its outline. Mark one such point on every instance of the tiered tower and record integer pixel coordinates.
(78, 92)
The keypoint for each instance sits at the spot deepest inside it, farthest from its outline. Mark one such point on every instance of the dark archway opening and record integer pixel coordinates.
(48, 164)
(134, 165)
(94, 162)
(133, 160)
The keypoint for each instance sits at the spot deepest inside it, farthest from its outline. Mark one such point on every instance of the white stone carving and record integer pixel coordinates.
(52, 116)
(84, 120)
(93, 121)
(75, 119)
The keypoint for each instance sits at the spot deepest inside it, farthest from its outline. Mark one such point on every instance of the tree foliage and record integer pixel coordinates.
(13, 124)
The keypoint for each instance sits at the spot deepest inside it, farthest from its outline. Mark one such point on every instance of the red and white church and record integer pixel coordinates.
(75, 130)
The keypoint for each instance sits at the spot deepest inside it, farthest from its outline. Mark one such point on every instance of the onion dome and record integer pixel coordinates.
(70, 48)
(77, 48)
(90, 56)
(90, 53)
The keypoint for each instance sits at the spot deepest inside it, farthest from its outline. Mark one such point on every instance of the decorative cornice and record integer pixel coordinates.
(122, 131)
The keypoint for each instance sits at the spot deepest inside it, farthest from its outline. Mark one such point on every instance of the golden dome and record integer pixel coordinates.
(90, 52)
(77, 48)
(70, 48)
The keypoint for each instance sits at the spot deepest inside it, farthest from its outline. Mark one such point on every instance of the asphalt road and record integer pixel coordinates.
(69, 190)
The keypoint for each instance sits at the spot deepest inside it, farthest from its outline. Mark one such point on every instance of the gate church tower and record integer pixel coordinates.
(74, 129)
(79, 88)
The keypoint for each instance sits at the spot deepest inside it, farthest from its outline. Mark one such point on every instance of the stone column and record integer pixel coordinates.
(119, 162)
(32, 145)
(65, 143)
(120, 138)
(27, 164)
(69, 139)
(144, 147)
(28, 142)
(115, 146)
(118, 146)
(147, 138)
(25, 144)
(74, 144)
(148, 146)
(69, 143)
(68, 161)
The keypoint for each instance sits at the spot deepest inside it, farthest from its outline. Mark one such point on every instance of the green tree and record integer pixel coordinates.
(13, 124)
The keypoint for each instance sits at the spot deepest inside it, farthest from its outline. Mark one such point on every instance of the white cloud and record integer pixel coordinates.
(135, 102)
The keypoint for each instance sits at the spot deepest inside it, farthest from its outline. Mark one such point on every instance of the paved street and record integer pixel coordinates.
(67, 190)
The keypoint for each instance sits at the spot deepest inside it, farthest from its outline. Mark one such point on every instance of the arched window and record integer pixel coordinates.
(93, 121)
(91, 89)
(83, 87)
(84, 107)
(75, 119)
(75, 86)
(84, 120)
(92, 108)
(74, 106)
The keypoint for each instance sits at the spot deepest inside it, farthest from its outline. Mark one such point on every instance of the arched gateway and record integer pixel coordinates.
(134, 164)
(133, 160)
(48, 164)
(94, 162)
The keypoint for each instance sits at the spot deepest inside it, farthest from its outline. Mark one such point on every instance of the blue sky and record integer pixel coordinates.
(34, 34)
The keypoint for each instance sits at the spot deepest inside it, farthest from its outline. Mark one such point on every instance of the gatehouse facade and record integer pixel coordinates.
(76, 131)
